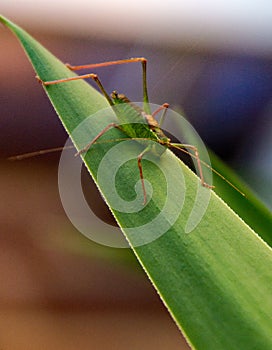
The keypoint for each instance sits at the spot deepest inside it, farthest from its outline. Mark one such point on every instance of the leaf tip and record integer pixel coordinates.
(4, 20)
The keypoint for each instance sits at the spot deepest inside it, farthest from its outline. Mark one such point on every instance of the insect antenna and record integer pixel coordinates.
(38, 153)
(61, 148)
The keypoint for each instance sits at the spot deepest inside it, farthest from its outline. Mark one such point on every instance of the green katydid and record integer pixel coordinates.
(136, 123)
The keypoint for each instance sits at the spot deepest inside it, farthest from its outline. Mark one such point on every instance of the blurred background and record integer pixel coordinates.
(210, 59)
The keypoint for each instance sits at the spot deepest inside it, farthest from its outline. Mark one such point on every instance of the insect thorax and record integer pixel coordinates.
(135, 121)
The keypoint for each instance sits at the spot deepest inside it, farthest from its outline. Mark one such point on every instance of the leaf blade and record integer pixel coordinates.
(216, 281)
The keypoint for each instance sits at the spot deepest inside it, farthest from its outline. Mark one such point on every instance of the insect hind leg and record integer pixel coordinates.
(183, 148)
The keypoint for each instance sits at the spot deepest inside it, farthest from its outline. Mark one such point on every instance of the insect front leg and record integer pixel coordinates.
(142, 60)
(78, 77)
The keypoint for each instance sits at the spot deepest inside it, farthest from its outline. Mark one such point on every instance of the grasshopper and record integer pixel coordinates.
(136, 123)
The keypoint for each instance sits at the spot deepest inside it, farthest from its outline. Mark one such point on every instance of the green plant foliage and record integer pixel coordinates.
(215, 281)
(248, 207)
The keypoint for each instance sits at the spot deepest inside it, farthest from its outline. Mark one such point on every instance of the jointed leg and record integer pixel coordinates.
(124, 61)
(102, 132)
(196, 156)
(140, 157)
(98, 82)
(84, 76)
(163, 107)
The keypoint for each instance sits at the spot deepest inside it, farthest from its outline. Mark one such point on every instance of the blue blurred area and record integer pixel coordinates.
(229, 100)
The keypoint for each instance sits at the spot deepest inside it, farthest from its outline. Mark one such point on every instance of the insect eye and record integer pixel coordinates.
(114, 94)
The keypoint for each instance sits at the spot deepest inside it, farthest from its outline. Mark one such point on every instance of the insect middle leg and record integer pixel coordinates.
(139, 158)
(162, 107)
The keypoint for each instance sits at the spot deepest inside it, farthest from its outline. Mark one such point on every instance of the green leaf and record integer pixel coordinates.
(216, 280)
(248, 207)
